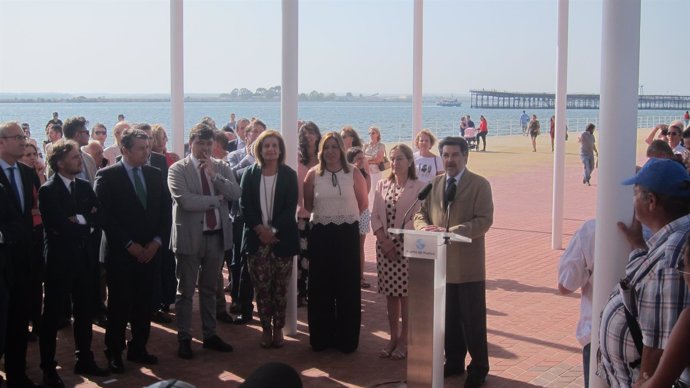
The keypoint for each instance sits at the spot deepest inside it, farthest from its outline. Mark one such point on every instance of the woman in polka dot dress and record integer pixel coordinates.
(394, 196)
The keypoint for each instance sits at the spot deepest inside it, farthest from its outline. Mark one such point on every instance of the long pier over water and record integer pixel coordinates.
(510, 100)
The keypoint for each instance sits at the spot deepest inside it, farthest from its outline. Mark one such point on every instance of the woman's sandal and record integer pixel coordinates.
(386, 353)
(398, 354)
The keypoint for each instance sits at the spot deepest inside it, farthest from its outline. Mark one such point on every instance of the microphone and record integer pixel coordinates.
(423, 193)
(450, 197)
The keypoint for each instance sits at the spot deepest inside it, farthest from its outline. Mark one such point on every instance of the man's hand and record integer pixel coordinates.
(137, 251)
(633, 234)
(209, 167)
(150, 250)
(434, 228)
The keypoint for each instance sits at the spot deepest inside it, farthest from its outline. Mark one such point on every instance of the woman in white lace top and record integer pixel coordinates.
(335, 193)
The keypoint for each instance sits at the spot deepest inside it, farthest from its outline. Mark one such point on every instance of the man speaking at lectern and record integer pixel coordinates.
(471, 211)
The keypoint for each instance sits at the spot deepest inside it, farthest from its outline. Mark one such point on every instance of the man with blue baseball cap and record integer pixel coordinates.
(638, 318)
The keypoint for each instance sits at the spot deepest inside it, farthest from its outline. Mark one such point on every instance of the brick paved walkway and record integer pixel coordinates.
(531, 327)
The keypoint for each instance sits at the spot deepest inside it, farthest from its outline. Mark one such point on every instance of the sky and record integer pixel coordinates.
(358, 46)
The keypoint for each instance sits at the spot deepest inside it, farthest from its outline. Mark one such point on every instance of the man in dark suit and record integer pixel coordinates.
(136, 215)
(69, 210)
(471, 215)
(18, 180)
(10, 223)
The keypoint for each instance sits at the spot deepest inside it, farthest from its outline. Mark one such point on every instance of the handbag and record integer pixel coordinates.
(385, 164)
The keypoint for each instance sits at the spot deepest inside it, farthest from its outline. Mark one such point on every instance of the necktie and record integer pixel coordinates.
(206, 190)
(15, 188)
(450, 183)
(139, 187)
(73, 190)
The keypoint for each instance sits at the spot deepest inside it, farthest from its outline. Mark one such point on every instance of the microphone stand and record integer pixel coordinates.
(446, 239)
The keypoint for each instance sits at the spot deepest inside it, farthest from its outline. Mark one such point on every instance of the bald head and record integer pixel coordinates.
(118, 129)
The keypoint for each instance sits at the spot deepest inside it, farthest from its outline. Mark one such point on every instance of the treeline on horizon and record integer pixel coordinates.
(237, 94)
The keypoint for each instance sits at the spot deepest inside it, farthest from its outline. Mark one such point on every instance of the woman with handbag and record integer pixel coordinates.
(375, 152)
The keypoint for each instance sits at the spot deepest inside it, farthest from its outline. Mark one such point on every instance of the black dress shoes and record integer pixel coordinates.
(224, 317)
(185, 350)
(115, 363)
(474, 380)
(159, 316)
(449, 371)
(142, 357)
(88, 367)
(243, 319)
(51, 379)
(217, 344)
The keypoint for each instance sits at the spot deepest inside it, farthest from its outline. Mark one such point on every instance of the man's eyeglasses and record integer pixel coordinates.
(16, 137)
(100, 132)
(674, 134)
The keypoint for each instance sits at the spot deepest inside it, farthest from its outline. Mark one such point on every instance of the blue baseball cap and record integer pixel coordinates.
(662, 176)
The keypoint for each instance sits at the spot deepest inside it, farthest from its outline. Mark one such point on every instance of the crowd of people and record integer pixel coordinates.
(644, 325)
(126, 234)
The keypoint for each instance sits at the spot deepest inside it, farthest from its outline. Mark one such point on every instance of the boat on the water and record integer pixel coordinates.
(449, 102)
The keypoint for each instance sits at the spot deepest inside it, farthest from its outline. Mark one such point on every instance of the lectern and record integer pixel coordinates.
(426, 298)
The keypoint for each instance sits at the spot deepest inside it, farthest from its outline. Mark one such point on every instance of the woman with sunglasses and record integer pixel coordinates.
(335, 193)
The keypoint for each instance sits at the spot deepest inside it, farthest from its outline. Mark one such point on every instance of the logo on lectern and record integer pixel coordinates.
(420, 244)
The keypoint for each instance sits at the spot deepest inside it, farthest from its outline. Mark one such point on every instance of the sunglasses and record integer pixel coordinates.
(674, 134)
(100, 132)
(16, 137)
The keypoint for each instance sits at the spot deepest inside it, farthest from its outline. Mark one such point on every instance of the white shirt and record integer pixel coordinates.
(427, 166)
(575, 271)
(17, 176)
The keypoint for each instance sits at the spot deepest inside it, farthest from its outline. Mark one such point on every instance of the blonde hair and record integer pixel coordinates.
(339, 140)
(378, 132)
(432, 138)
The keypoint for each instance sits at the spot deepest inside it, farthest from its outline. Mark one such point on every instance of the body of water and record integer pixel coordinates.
(393, 118)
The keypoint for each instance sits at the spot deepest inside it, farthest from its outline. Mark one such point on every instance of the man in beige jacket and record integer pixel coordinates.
(471, 215)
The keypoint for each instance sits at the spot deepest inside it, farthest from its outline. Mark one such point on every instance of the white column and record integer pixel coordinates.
(417, 56)
(288, 127)
(620, 63)
(177, 77)
(559, 136)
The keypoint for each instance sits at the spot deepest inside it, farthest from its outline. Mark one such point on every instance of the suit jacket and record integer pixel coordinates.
(125, 217)
(29, 181)
(10, 225)
(284, 210)
(407, 198)
(190, 204)
(89, 167)
(66, 240)
(471, 215)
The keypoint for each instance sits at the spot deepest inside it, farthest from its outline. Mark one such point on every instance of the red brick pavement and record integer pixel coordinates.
(531, 327)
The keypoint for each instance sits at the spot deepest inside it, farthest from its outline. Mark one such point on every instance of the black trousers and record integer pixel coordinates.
(334, 287)
(466, 326)
(37, 274)
(4, 305)
(130, 285)
(17, 315)
(165, 280)
(66, 277)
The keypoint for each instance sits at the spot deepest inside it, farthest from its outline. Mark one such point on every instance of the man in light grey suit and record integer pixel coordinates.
(201, 189)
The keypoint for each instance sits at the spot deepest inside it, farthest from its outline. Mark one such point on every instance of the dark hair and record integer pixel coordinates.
(58, 151)
(131, 134)
(220, 138)
(56, 128)
(304, 156)
(356, 140)
(73, 125)
(686, 133)
(590, 128)
(351, 154)
(659, 149)
(98, 125)
(259, 142)
(258, 122)
(202, 130)
(454, 141)
(142, 126)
